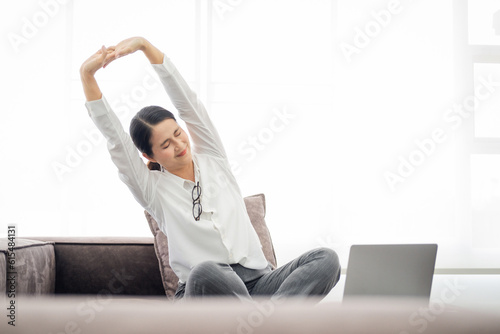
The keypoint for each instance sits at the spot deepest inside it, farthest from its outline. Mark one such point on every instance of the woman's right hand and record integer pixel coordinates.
(87, 71)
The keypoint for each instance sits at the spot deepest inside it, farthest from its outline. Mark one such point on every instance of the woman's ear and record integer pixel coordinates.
(148, 157)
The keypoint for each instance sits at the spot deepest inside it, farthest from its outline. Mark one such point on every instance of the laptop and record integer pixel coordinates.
(404, 270)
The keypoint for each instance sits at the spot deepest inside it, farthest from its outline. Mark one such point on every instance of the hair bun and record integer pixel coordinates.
(154, 166)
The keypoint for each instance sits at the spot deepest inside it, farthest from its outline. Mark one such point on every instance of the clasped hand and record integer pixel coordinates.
(105, 56)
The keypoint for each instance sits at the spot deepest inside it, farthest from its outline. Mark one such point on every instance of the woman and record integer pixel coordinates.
(193, 194)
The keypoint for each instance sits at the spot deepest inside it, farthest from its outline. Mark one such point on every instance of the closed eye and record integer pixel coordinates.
(177, 133)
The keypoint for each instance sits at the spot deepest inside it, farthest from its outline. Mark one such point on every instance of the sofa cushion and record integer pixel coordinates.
(34, 266)
(256, 209)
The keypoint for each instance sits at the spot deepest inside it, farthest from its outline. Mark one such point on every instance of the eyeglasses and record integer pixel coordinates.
(196, 195)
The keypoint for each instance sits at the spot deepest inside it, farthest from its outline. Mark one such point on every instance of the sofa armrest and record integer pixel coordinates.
(27, 267)
(106, 265)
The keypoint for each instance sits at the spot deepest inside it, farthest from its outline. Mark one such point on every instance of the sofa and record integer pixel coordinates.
(57, 285)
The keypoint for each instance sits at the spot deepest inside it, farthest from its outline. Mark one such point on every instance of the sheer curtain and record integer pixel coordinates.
(341, 112)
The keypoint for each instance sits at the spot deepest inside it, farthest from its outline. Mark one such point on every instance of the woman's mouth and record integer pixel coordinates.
(182, 153)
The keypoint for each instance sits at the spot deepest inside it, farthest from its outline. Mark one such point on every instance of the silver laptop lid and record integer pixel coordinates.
(390, 270)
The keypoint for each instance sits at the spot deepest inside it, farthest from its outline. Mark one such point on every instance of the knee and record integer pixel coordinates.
(212, 278)
(201, 277)
(203, 271)
(329, 261)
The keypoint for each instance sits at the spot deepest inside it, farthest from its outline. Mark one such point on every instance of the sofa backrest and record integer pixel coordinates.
(106, 265)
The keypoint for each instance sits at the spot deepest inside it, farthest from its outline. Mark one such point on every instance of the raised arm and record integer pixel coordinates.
(132, 170)
(87, 72)
(205, 136)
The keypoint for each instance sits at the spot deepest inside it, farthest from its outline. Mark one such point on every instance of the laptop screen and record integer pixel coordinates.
(390, 270)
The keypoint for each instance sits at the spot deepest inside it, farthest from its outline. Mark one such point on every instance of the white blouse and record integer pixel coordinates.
(224, 233)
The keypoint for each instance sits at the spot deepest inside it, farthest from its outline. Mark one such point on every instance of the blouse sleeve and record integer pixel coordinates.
(131, 168)
(203, 133)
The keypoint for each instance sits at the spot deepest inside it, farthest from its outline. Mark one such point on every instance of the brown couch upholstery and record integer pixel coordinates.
(86, 265)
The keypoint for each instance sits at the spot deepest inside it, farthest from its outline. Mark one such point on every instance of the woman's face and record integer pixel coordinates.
(170, 145)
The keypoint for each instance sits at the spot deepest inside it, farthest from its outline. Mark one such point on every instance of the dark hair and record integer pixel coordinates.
(141, 126)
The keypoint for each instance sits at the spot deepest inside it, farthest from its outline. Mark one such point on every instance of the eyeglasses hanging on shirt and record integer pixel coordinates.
(196, 195)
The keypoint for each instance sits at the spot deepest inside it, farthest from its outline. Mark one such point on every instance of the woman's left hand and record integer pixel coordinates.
(125, 47)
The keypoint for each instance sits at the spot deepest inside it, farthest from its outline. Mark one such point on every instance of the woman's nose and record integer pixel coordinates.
(177, 144)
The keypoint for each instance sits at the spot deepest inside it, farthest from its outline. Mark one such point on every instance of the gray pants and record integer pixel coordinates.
(314, 273)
